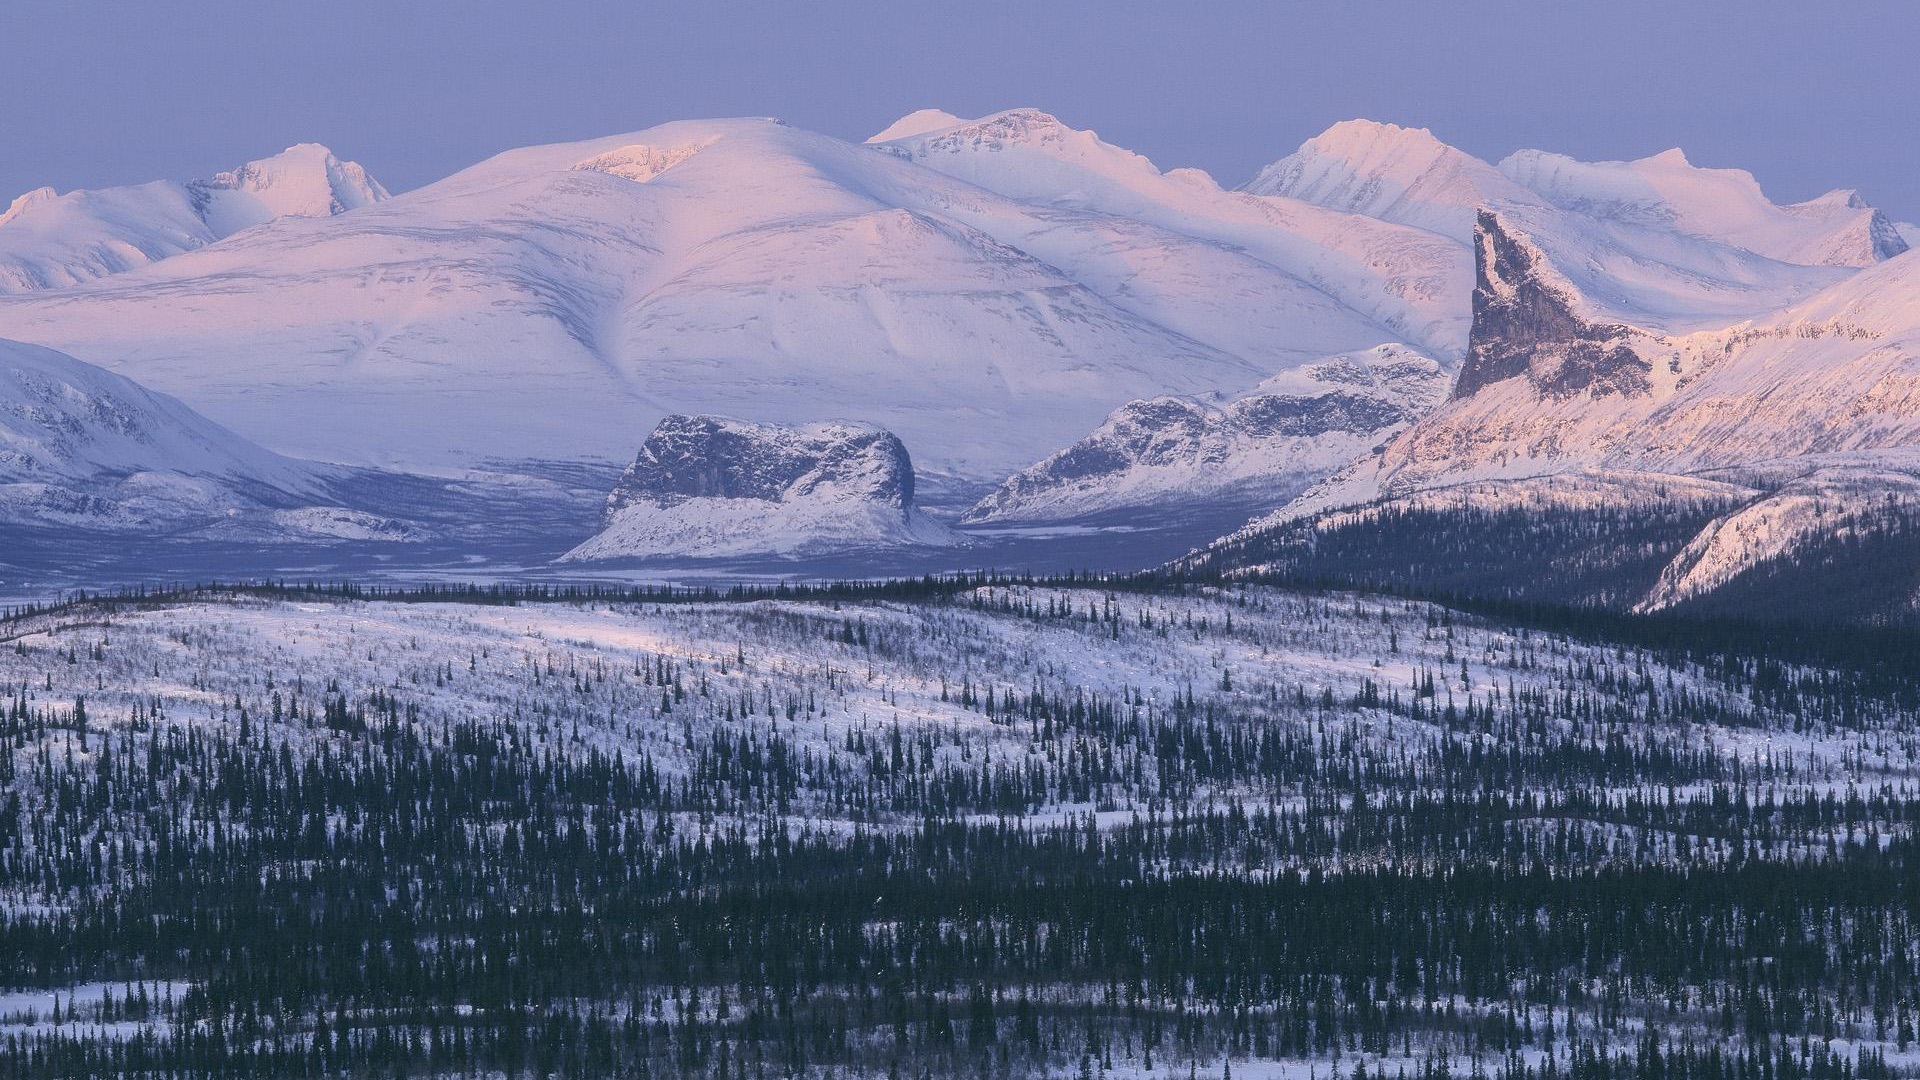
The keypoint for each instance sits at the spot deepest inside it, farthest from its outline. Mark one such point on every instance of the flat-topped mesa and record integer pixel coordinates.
(708, 487)
(711, 457)
(1525, 323)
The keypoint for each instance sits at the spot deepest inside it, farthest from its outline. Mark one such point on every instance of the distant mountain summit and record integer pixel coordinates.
(53, 241)
(1668, 191)
(1393, 173)
(713, 487)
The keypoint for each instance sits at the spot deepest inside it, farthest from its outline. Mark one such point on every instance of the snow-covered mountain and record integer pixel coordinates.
(711, 487)
(992, 289)
(85, 448)
(1407, 175)
(1667, 191)
(1811, 413)
(50, 240)
(1259, 449)
(543, 299)
(1406, 280)
(1547, 387)
(1658, 243)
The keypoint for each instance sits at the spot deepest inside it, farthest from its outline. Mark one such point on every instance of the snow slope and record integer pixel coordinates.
(1668, 191)
(709, 487)
(52, 241)
(1824, 503)
(84, 447)
(1260, 449)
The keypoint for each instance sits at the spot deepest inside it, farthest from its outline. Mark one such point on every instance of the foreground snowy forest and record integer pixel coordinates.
(986, 829)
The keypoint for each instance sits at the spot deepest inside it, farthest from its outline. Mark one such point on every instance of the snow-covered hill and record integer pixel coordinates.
(1259, 449)
(1830, 502)
(710, 487)
(85, 448)
(50, 240)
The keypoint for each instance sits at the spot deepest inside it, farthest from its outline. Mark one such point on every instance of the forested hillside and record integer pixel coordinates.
(947, 829)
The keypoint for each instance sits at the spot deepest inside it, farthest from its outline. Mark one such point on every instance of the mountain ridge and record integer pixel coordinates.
(50, 240)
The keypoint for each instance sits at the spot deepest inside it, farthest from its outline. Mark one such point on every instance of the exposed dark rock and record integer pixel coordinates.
(1263, 445)
(692, 457)
(1285, 414)
(1525, 326)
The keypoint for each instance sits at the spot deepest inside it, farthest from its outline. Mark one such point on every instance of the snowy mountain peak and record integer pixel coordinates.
(1528, 320)
(1014, 128)
(1361, 138)
(1399, 174)
(1016, 125)
(1838, 198)
(914, 123)
(304, 180)
(1666, 191)
(1028, 154)
(50, 241)
(1256, 450)
(26, 202)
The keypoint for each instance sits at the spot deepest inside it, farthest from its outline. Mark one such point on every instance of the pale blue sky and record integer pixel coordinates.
(1807, 96)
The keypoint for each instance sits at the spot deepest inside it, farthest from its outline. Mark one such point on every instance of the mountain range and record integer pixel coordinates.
(1061, 331)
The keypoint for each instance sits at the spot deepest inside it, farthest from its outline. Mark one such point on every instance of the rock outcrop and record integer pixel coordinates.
(1525, 323)
(711, 487)
(1259, 449)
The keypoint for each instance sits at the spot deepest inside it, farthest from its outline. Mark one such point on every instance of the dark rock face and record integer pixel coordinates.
(1160, 431)
(1282, 414)
(1885, 238)
(1525, 326)
(693, 457)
